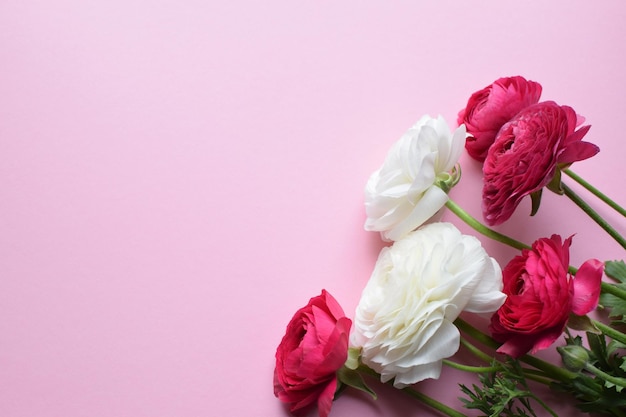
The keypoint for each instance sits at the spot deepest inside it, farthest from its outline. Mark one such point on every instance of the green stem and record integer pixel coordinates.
(549, 369)
(475, 333)
(614, 290)
(425, 399)
(432, 403)
(596, 192)
(475, 351)
(468, 368)
(481, 228)
(610, 332)
(537, 376)
(609, 378)
(544, 405)
(490, 233)
(594, 215)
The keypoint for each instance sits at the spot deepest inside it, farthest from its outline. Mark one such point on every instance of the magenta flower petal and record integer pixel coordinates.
(325, 400)
(490, 108)
(577, 151)
(541, 294)
(526, 154)
(314, 347)
(587, 287)
(516, 346)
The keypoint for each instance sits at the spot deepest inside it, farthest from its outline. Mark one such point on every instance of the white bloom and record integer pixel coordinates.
(420, 285)
(402, 195)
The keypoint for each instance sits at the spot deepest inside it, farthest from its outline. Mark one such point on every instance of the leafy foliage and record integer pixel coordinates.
(596, 395)
(616, 305)
(503, 393)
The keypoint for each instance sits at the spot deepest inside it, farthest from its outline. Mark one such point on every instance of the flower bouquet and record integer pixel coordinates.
(408, 323)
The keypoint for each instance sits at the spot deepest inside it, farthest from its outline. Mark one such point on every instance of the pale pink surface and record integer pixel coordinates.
(178, 178)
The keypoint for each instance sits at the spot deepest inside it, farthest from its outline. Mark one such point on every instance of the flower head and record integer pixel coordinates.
(541, 295)
(406, 191)
(314, 347)
(489, 109)
(526, 155)
(419, 286)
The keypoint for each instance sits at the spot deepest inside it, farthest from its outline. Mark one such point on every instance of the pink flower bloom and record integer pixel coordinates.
(489, 109)
(526, 154)
(541, 295)
(314, 347)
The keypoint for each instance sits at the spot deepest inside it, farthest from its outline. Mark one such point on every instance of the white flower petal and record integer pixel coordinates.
(427, 206)
(457, 144)
(488, 296)
(394, 193)
(419, 286)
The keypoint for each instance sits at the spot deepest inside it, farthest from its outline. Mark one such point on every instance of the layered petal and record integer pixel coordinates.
(314, 347)
(419, 286)
(404, 192)
(541, 294)
(526, 153)
(587, 284)
(489, 109)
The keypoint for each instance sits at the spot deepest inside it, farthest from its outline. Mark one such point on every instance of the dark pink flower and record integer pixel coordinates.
(526, 154)
(489, 109)
(541, 294)
(314, 347)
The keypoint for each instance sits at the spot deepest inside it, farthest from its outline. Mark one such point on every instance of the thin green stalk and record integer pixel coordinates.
(535, 375)
(609, 378)
(594, 215)
(432, 403)
(544, 405)
(425, 399)
(475, 333)
(596, 192)
(549, 369)
(614, 290)
(475, 351)
(469, 368)
(481, 228)
(610, 332)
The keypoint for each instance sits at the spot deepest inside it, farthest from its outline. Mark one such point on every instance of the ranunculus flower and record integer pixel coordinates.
(526, 155)
(419, 286)
(406, 191)
(314, 347)
(541, 294)
(489, 109)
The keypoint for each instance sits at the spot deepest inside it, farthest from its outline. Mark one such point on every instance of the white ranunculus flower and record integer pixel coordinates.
(403, 194)
(420, 285)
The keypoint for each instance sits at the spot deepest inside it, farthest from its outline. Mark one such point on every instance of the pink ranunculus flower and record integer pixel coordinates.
(489, 109)
(541, 294)
(527, 153)
(314, 347)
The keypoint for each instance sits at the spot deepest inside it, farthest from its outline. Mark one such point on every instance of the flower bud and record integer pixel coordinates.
(574, 357)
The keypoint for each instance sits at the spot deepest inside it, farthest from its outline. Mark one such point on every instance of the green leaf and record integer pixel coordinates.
(597, 344)
(354, 379)
(582, 323)
(555, 183)
(353, 358)
(615, 304)
(535, 198)
(616, 270)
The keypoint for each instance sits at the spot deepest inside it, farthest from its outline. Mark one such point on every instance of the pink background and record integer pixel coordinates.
(178, 177)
